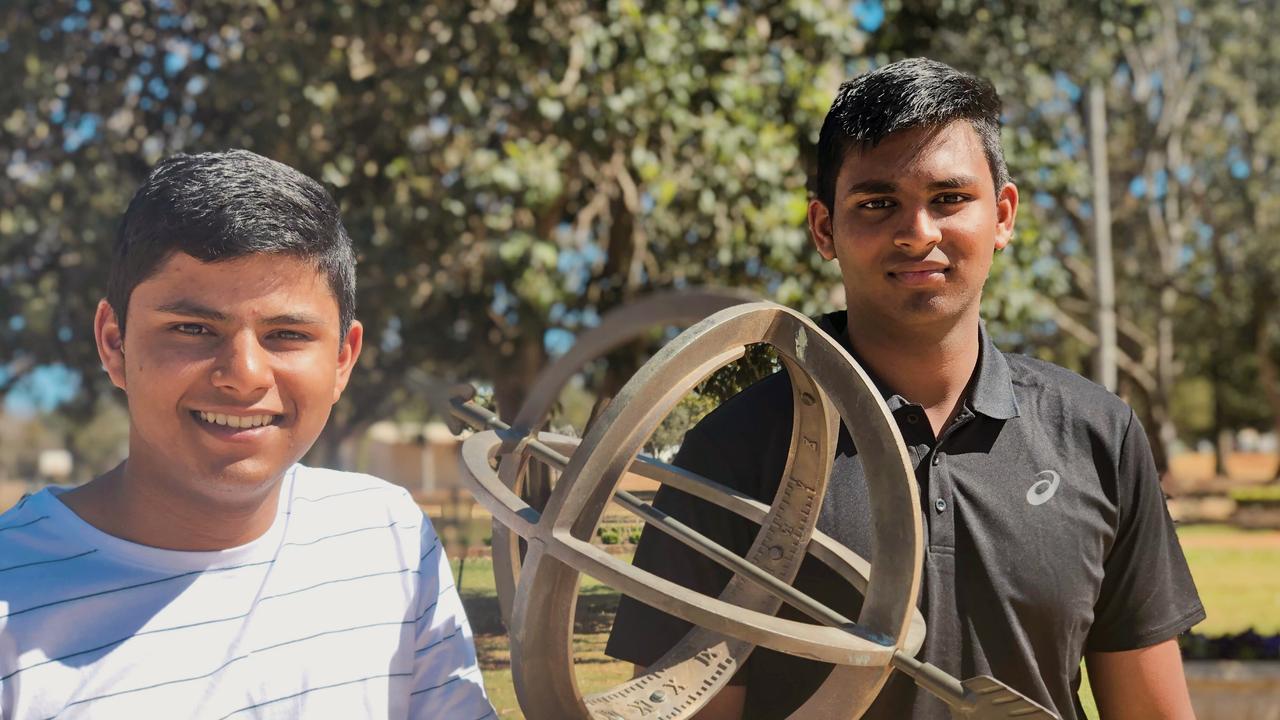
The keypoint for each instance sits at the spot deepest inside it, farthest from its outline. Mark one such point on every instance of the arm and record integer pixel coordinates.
(1140, 684)
(1147, 599)
(641, 634)
(446, 678)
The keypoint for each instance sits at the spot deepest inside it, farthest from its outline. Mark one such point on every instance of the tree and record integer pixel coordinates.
(510, 171)
(1170, 69)
(506, 169)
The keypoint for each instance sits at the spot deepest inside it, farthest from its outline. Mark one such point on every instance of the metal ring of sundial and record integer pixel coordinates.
(618, 327)
(742, 616)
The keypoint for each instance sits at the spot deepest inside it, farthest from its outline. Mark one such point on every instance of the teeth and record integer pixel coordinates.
(236, 421)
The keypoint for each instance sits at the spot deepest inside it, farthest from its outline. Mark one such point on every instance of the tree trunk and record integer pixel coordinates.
(1165, 433)
(513, 376)
(1268, 375)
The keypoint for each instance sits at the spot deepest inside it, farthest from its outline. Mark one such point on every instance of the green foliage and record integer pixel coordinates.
(505, 169)
(608, 535)
(615, 533)
(1193, 406)
(509, 169)
(1192, 159)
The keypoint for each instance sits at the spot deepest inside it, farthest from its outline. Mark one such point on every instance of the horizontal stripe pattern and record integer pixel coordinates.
(311, 690)
(354, 581)
(34, 563)
(19, 526)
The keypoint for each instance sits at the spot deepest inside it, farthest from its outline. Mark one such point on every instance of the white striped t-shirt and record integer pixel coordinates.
(345, 608)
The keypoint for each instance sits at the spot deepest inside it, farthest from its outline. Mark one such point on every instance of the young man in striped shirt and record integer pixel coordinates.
(210, 575)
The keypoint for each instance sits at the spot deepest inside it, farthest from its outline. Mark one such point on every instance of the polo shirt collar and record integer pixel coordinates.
(991, 393)
(992, 390)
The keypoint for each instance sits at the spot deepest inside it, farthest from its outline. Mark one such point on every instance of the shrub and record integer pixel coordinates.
(1264, 494)
(1247, 645)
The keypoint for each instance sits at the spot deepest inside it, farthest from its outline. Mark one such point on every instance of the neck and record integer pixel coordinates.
(931, 366)
(137, 506)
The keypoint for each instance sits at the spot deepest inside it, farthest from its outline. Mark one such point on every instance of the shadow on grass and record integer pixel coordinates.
(594, 614)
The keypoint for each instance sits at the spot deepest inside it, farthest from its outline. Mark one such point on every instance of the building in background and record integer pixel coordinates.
(421, 457)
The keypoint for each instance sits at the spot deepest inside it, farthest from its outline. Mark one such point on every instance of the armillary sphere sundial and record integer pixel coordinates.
(538, 594)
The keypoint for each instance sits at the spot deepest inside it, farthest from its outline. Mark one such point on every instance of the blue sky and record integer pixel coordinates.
(42, 390)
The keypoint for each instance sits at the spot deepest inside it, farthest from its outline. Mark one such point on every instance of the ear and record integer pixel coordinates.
(820, 229)
(1006, 214)
(348, 353)
(110, 339)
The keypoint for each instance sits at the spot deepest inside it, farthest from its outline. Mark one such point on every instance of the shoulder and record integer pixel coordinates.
(29, 528)
(364, 514)
(23, 510)
(324, 496)
(753, 416)
(40, 556)
(1051, 393)
(314, 485)
(762, 412)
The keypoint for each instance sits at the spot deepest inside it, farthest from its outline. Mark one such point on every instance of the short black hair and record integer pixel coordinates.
(904, 95)
(224, 205)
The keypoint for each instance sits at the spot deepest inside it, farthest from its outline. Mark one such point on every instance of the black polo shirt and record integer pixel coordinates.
(1046, 535)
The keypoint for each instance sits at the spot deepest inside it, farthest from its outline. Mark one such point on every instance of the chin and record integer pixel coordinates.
(928, 308)
(242, 479)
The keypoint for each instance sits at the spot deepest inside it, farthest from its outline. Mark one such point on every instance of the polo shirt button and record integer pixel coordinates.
(937, 458)
(913, 419)
(940, 504)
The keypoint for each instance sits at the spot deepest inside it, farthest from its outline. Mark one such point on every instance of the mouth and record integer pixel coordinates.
(224, 423)
(921, 275)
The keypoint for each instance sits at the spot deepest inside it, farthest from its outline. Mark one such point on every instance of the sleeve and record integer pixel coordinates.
(642, 634)
(1147, 594)
(446, 678)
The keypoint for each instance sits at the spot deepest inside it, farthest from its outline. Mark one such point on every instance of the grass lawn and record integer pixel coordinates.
(1238, 575)
(1235, 571)
(595, 670)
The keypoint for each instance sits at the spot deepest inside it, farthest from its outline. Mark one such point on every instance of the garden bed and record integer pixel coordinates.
(1233, 677)
(1257, 507)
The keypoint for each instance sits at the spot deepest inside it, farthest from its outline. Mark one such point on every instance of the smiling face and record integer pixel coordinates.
(230, 368)
(914, 226)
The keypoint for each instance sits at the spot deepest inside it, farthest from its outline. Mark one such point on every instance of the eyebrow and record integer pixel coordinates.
(886, 187)
(293, 319)
(191, 308)
(195, 309)
(955, 182)
(873, 187)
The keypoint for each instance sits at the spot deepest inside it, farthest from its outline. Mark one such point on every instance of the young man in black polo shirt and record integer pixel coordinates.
(1047, 537)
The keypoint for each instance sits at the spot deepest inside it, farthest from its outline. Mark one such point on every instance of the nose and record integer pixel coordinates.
(919, 234)
(243, 365)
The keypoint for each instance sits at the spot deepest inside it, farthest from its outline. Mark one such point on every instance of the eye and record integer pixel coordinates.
(951, 198)
(192, 329)
(877, 204)
(291, 335)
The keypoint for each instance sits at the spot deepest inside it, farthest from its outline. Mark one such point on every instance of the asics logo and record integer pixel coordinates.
(1044, 488)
